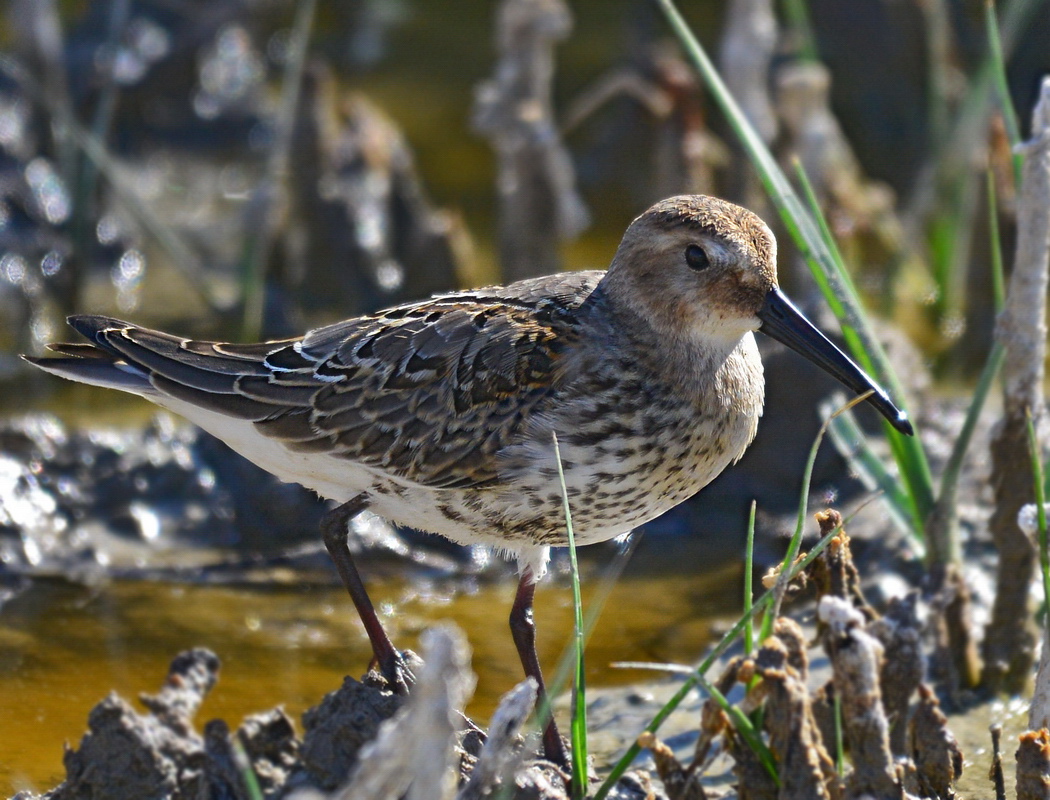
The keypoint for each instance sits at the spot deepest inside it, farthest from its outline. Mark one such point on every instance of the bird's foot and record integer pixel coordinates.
(397, 671)
(556, 749)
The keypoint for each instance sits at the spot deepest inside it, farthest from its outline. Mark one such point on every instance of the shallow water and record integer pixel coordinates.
(971, 730)
(64, 647)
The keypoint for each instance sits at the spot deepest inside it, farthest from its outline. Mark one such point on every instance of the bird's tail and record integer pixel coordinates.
(96, 363)
(219, 377)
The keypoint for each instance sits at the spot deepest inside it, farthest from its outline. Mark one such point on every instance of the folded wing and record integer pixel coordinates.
(410, 391)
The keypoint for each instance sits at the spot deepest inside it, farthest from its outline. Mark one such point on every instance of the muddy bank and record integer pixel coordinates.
(360, 738)
(162, 501)
(847, 711)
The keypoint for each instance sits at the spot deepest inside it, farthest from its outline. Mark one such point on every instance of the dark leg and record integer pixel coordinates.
(334, 529)
(523, 629)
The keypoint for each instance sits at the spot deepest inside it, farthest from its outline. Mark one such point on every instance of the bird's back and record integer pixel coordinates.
(426, 393)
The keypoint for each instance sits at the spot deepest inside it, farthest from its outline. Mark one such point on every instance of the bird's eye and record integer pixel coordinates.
(696, 257)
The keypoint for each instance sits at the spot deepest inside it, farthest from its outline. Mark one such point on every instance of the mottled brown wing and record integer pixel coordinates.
(430, 392)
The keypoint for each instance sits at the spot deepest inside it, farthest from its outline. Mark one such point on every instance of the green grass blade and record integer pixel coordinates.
(907, 450)
(944, 534)
(998, 274)
(793, 213)
(749, 558)
(1002, 87)
(790, 570)
(567, 661)
(947, 500)
(840, 750)
(796, 14)
(951, 240)
(769, 173)
(769, 618)
(952, 193)
(828, 240)
(244, 765)
(915, 469)
(578, 731)
(937, 28)
(723, 645)
(744, 727)
(854, 342)
(1040, 510)
(852, 444)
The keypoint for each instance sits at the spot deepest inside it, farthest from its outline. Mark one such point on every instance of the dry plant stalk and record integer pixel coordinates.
(538, 200)
(995, 774)
(877, 665)
(414, 750)
(1033, 765)
(900, 633)
(804, 767)
(1009, 643)
(856, 658)
(680, 783)
(745, 57)
(834, 572)
(937, 757)
(1039, 711)
(957, 664)
(791, 635)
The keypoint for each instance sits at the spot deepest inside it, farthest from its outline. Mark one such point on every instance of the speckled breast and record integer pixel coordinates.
(632, 447)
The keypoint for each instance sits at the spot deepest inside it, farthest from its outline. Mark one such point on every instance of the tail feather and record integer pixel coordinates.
(79, 350)
(155, 360)
(229, 405)
(100, 369)
(194, 364)
(92, 326)
(89, 325)
(158, 365)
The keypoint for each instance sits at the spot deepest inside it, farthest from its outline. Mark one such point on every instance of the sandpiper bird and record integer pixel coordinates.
(440, 415)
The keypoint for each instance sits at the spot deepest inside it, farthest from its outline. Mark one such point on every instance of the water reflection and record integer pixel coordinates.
(231, 73)
(49, 191)
(144, 43)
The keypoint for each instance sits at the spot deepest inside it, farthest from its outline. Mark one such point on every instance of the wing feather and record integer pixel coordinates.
(433, 391)
(429, 392)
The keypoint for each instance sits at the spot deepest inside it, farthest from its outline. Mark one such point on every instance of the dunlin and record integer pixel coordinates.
(440, 415)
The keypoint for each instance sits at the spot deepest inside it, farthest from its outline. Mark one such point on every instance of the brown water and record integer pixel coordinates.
(63, 647)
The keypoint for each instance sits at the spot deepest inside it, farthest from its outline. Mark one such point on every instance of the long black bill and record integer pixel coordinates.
(786, 324)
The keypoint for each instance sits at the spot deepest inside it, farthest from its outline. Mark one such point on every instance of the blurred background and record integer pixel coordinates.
(248, 169)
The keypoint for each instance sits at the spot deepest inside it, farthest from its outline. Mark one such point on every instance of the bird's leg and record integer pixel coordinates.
(334, 529)
(523, 629)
